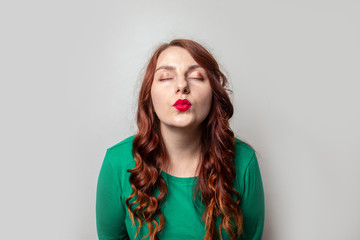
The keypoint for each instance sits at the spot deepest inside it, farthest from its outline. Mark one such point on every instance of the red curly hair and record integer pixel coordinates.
(216, 169)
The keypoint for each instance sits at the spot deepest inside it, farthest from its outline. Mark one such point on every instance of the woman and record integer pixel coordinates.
(183, 175)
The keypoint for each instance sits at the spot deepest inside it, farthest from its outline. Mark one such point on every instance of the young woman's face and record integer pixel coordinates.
(178, 76)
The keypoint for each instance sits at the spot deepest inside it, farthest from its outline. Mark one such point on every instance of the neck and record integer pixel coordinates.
(183, 147)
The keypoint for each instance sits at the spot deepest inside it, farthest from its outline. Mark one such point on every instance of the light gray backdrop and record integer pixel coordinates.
(69, 78)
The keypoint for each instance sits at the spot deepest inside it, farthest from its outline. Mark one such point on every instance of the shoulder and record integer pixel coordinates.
(121, 153)
(245, 159)
(244, 154)
(124, 144)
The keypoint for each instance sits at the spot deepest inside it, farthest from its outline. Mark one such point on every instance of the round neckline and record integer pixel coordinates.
(179, 180)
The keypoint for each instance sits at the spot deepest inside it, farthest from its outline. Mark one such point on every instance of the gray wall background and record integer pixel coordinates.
(70, 73)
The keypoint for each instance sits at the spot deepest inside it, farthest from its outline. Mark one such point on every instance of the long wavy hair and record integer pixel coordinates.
(216, 169)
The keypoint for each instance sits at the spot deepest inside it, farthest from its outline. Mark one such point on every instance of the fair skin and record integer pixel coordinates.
(178, 76)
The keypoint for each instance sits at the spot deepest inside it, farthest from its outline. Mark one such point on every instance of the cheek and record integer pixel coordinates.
(157, 99)
(206, 102)
(209, 102)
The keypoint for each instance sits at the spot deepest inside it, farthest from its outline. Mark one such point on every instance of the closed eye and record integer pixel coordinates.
(197, 78)
(163, 79)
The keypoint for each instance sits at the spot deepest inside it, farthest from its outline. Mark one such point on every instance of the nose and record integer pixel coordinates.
(182, 86)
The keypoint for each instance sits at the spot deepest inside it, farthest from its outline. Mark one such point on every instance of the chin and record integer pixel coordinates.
(181, 124)
(185, 125)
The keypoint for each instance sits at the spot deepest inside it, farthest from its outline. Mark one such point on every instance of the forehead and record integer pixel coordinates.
(175, 56)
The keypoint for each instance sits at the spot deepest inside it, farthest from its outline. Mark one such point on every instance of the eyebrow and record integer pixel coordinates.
(172, 68)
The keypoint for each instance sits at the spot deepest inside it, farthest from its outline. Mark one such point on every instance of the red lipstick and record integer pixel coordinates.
(182, 104)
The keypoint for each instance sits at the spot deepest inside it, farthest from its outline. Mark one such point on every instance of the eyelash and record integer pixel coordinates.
(162, 79)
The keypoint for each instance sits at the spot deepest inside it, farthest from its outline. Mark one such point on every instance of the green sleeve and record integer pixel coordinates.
(252, 203)
(110, 213)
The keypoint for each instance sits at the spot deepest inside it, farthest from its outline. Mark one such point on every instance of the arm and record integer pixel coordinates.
(252, 203)
(110, 214)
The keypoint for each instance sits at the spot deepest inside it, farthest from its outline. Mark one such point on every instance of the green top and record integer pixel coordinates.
(182, 216)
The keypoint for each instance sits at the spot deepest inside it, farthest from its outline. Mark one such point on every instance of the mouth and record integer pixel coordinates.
(182, 105)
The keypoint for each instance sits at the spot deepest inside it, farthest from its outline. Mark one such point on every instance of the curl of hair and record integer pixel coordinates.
(216, 168)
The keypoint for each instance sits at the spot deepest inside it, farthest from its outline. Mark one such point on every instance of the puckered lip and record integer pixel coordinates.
(182, 102)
